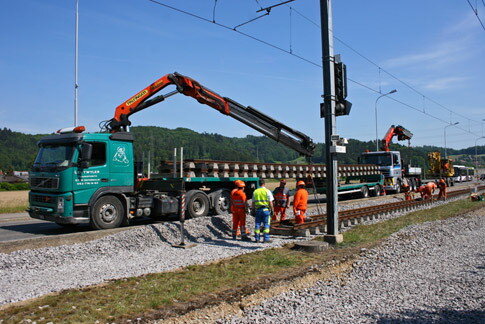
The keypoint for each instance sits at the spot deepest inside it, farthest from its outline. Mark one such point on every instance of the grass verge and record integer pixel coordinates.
(13, 209)
(166, 294)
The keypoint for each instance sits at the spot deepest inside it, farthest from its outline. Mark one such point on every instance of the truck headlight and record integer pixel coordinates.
(60, 204)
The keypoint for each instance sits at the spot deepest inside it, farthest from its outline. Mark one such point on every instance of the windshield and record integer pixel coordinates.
(54, 156)
(377, 159)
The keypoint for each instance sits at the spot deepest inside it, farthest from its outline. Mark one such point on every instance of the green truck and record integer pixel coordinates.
(80, 177)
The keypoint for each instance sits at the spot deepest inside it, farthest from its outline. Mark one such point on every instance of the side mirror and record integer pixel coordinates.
(85, 156)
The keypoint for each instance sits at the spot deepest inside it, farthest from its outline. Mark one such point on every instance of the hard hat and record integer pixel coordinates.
(241, 184)
(300, 183)
(282, 181)
(405, 185)
(442, 180)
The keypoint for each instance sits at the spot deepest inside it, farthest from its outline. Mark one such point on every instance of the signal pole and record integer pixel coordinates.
(331, 137)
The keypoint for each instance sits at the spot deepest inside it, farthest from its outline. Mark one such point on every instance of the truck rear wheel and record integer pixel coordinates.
(364, 192)
(222, 201)
(108, 212)
(198, 204)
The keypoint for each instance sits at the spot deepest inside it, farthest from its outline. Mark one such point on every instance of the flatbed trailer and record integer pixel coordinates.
(361, 186)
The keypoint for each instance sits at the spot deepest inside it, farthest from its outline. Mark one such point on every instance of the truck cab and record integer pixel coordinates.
(390, 164)
(73, 170)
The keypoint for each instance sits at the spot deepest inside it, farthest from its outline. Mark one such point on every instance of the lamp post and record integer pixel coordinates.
(375, 111)
(454, 124)
(476, 152)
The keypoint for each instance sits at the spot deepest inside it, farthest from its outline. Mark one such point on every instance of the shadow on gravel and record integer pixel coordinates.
(231, 244)
(443, 315)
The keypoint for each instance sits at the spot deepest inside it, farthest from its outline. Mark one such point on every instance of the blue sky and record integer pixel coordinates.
(436, 46)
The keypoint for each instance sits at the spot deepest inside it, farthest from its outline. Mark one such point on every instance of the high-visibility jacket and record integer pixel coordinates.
(238, 199)
(442, 185)
(261, 198)
(281, 196)
(300, 201)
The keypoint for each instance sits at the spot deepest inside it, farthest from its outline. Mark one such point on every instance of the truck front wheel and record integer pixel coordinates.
(108, 212)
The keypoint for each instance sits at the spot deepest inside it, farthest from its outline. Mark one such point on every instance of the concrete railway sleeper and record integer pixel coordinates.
(317, 223)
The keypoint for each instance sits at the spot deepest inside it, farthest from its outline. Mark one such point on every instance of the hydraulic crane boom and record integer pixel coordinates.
(189, 87)
(399, 131)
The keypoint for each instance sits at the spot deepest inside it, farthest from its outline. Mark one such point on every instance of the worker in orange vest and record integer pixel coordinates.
(300, 202)
(429, 190)
(421, 190)
(442, 187)
(408, 194)
(281, 200)
(239, 207)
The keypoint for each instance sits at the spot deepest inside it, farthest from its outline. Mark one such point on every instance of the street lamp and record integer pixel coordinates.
(476, 153)
(375, 110)
(454, 124)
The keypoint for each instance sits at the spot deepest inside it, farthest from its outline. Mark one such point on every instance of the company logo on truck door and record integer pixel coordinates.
(120, 155)
(136, 97)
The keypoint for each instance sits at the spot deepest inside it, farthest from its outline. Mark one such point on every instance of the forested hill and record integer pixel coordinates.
(17, 150)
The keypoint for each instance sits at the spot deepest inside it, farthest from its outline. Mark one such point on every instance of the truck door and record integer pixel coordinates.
(121, 165)
(94, 176)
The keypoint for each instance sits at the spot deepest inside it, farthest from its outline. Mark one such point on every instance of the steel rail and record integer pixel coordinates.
(370, 211)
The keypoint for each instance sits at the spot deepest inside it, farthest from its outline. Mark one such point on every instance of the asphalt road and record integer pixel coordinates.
(20, 226)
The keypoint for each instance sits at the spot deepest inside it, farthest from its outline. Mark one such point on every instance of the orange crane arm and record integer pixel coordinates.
(185, 85)
(399, 131)
(189, 87)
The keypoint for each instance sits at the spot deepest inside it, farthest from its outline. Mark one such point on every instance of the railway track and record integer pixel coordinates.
(317, 223)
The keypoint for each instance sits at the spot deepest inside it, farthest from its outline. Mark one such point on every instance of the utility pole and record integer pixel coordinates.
(76, 86)
(329, 98)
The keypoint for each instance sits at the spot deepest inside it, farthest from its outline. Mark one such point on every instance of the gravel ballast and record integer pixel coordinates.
(431, 272)
(144, 249)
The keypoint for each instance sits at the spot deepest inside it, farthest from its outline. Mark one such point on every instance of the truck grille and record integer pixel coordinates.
(43, 199)
(48, 183)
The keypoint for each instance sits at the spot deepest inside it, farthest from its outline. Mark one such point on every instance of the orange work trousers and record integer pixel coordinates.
(239, 221)
(408, 195)
(300, 219)
(279, 211)
(427, 194)
(442, 194)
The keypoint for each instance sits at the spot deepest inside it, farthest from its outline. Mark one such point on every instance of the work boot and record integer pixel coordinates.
(256, 238)
(246, 238)
(234, 236)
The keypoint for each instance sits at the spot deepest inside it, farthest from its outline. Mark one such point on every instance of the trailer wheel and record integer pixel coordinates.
(222, 201)
(376, 191)
(108, 212)
(364, 192)
(198, 204)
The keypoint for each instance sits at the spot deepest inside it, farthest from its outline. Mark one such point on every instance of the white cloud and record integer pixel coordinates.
(445, 83)
(435, 57)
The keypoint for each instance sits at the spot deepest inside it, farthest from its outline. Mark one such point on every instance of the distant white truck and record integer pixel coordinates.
(392, 167)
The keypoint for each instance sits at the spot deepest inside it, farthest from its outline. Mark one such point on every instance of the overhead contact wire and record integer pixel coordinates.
(303, 59)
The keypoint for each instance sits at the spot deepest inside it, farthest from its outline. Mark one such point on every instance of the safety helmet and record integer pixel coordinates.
(405, 185)
(442, 180)
(300, 183)
(241, 184)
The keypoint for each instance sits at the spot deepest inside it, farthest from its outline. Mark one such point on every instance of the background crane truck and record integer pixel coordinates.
(80, 177)
(391, 164)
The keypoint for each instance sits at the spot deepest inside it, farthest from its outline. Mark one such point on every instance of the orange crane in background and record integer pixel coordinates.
(399, 131)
